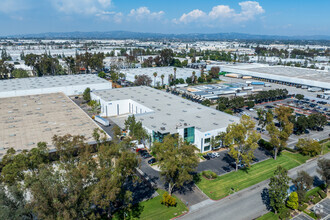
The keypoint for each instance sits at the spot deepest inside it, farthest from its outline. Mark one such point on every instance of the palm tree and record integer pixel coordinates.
(174, 75)
(162, 77)
(155, 75)
(170, 78)
(193, 77)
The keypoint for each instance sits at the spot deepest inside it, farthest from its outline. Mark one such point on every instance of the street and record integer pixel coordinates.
(245, 204)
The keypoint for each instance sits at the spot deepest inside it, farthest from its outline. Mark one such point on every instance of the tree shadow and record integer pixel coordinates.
(317, 181)
(130, 213)
(265, 198)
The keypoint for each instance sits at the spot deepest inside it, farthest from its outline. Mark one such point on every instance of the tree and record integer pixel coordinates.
(324, 169)
(142, 80)
(82, 184)
(177, 161)
(300, 124)
(214, 142)
(316, 121)
(214, 72)
(242, 140)
(19, 73)
(279, 136)
(13, 203)
(293, 201)
(278, 187)
(162, 77)
(87, 94)
(303, 182)
(101, 74)
(265, 117)
(309, 147)
(299, 96)
(136, 129)
(155, 75)
(249, 104)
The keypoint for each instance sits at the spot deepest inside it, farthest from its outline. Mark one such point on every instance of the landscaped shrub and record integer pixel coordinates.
(322, 194)
(302, 207)
(290, 150)
(316, 199)
(265, 144)
(168, 200)
(293, 201)
(209, 174)
(284, 214)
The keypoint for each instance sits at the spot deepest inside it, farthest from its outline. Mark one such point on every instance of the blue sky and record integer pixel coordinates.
(278, 17)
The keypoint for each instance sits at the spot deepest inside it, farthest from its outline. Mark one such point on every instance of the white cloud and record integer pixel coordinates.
(144, 13)
(249, 10)
(192, 16)
(223, 13)
(88, 7)
(9, 6)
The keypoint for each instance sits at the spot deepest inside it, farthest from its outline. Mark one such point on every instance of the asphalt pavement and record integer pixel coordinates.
(249, 203)
(221, 165)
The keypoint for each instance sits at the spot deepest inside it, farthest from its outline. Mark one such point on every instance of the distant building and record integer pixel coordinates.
(291, 76)
(183, 73)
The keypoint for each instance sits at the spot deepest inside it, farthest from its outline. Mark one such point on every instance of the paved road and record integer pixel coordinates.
(245, 204)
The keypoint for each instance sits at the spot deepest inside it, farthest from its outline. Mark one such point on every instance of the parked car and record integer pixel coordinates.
(210, 155)
(141, 152)
(145, 156)
(139, 149)
(151, 161)
(206, 157)
(216, 154)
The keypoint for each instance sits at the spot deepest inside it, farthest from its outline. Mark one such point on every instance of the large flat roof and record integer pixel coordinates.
(27, 120)
(44, 82)
(283, 73)
(169, 111)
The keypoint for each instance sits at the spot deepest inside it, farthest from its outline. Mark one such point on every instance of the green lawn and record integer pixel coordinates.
(153, 209)
(326, 147)
(226, 184)
(269, 216)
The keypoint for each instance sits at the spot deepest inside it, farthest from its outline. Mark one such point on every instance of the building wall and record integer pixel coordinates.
(120, 107)
(67, 90)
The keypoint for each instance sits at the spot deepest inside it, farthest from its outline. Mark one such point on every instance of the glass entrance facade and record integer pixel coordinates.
(189, 134)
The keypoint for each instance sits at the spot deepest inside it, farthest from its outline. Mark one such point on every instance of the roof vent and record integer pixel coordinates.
(162, 128)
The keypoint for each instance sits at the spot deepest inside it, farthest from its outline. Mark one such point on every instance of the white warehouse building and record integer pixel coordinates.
(67, 84)
(183, 73)
(292, 76)
(162, 113)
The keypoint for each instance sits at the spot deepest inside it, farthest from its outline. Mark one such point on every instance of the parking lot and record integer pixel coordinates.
(300, 107)
(222, 164)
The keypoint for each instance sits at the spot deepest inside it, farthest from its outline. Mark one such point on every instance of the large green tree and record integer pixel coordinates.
(303, 182)
(13, 204)
(280, 135)
(177, 160)
(278, 187)
(242, 140)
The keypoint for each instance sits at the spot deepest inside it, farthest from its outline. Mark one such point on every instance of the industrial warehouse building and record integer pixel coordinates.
(162, 113)
(68, 84)
(183, 73)
(27, 120)
(291, 76)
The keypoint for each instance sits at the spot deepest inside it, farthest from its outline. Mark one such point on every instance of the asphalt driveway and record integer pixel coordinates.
(221, 165)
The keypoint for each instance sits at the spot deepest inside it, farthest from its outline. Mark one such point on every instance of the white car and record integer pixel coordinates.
(216, 154)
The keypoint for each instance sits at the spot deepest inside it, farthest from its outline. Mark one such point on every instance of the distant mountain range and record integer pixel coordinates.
(159, 36)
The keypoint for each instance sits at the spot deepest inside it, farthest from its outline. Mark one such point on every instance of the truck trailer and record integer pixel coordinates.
(101, 120)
